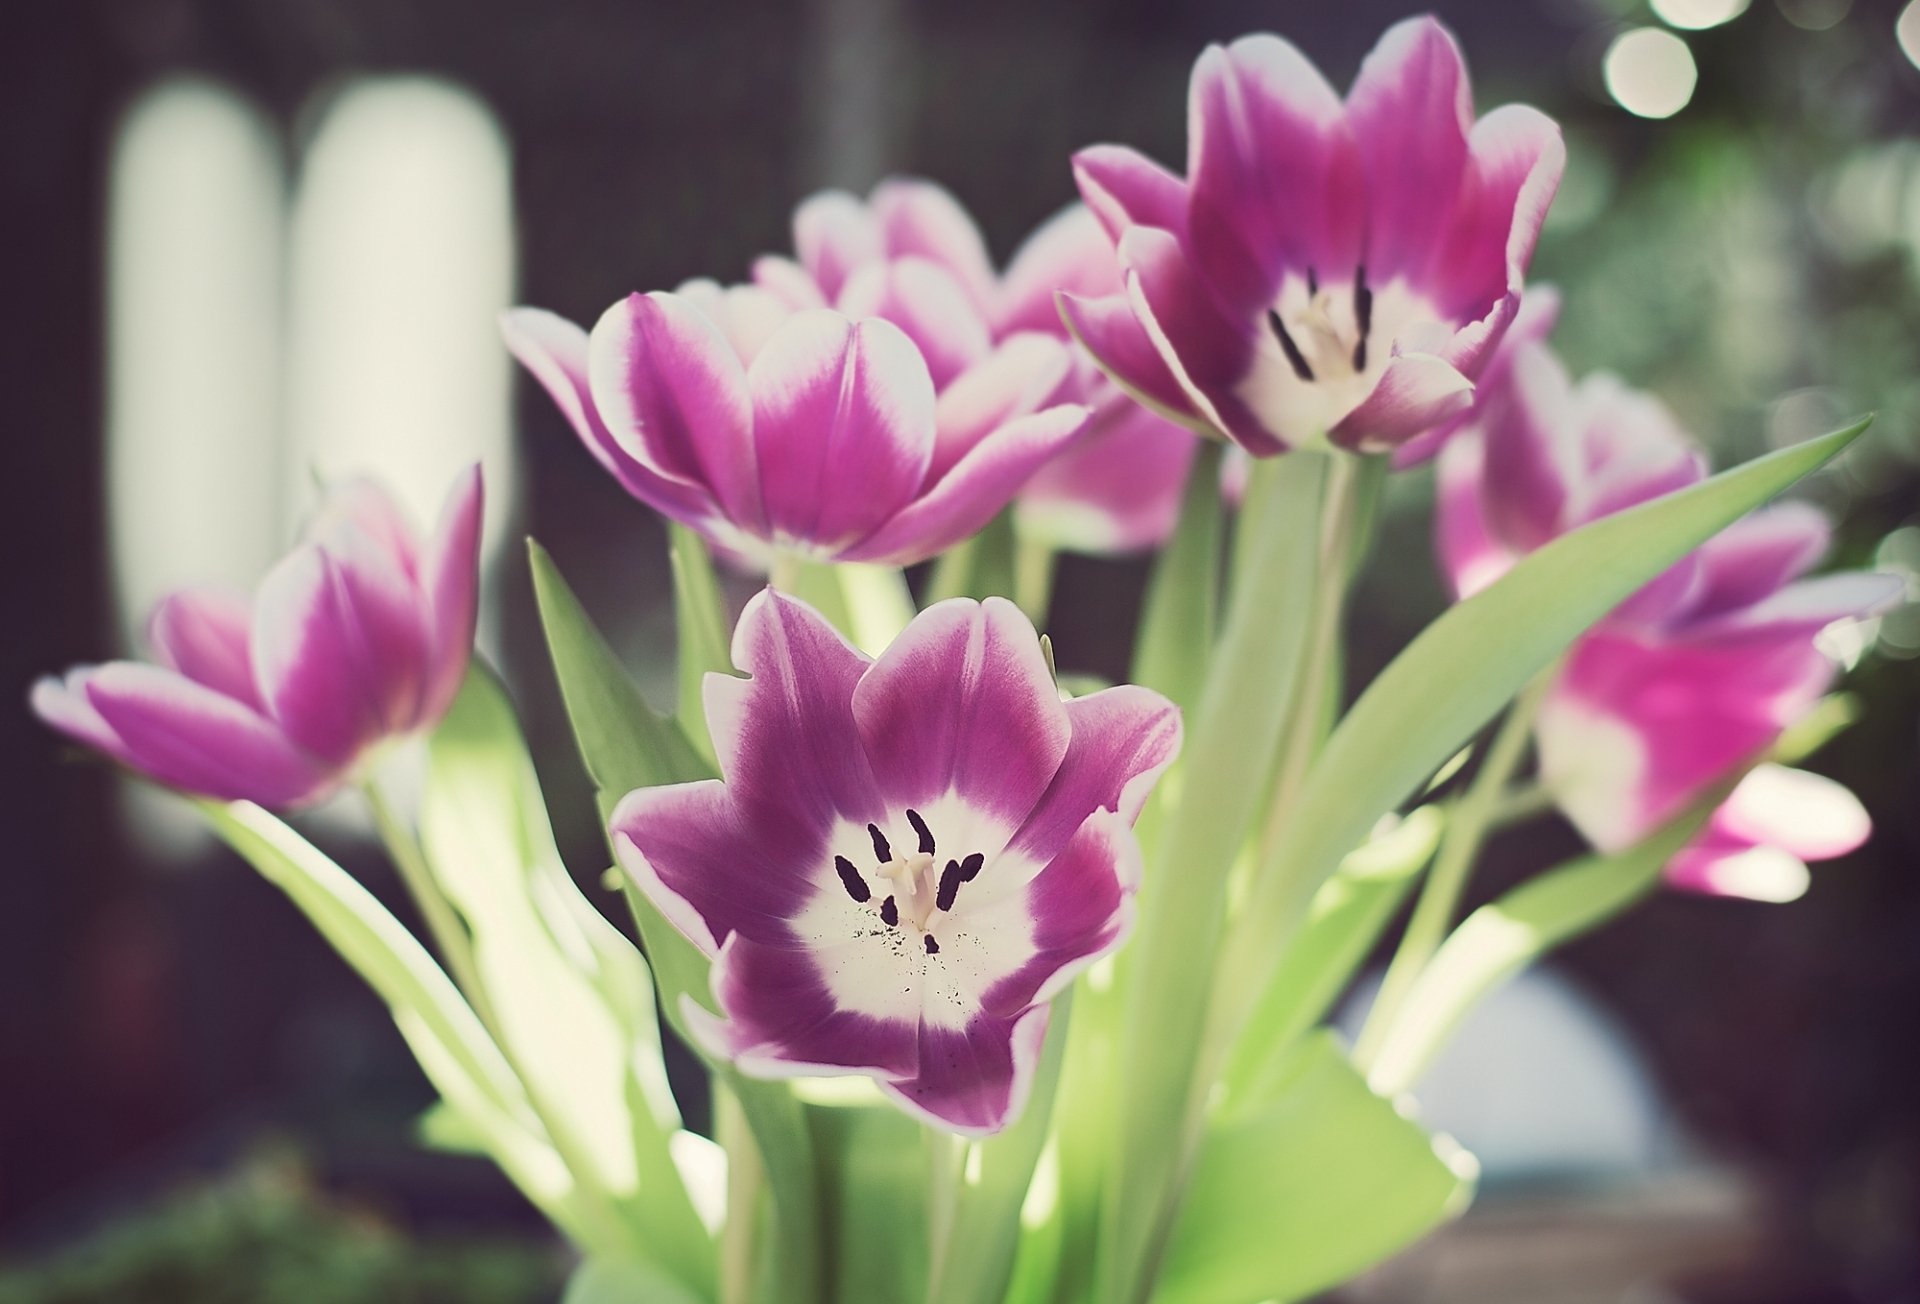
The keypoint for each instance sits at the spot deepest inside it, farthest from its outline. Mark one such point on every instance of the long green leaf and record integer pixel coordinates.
(1231, 741)
(446, 1037)
(1327, 1180)
(573, 999)
(624, 1281)
(1459, 672)
(1181, 612)
(700, 622)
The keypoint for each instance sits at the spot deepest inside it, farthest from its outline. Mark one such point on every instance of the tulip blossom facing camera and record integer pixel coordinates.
(1325, 270)
(819, 436)
(360, 635)
(905, 858)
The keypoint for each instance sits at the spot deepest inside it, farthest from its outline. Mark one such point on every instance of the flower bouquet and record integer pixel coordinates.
(1012, 985)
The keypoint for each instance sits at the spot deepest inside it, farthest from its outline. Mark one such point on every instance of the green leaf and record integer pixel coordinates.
(980, 1245)
(1503, 937)
(700, 620)
(1458, 673)
(624, 1281)
(1302, 1194)
(1347, 916)
(445, 1035)
(1211, 799)
(573, 999)
(1182, 607)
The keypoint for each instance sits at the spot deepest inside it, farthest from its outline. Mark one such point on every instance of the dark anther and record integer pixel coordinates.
(889, 913)
(1363, 315)
(933, 947)
(882, 852)
(920, 827)
(850, 879)
(1288, 347)
(970, 867)
(950, 881)
(1313, 282)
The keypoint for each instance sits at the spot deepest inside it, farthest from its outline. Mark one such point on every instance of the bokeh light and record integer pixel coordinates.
(1695, 15)
(1907, 30)
(1815, 15)
(1649, 72)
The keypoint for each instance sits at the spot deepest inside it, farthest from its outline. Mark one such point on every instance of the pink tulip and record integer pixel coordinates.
(1325, 270)
(358, 636)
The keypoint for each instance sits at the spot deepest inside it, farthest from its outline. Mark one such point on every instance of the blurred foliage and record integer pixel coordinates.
(265, 1235)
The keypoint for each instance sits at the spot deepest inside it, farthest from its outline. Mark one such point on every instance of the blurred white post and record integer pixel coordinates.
(195, 211)
(402, 260)
(854, 91)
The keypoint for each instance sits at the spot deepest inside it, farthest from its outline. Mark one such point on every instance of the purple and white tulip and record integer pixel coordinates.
(1691, 678)
(1325, 270)
(360, 635)
(911, 254)
(802, 433)
(906, 858)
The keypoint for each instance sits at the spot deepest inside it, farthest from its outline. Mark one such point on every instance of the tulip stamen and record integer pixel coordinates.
(1294, 357)
(850, 879)
(921, 829)
(1362, 316)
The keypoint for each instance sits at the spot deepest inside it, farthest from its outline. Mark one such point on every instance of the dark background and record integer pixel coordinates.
(154, 1025)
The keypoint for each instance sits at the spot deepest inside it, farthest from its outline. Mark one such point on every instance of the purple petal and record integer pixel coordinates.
(1411, 109)
(1634, 450)
(1121, 740)
(555, 351)
(1539, 310)
(188, 736)
(1112, 335)
(339, 649)
(920, 219)
(1533, 465)
(1069, 252)
(1759, 554)
(747, 315)
(674, 396)
(788, 282)
(711, 870)
(982, 482)
(784, 1021)
(1470, 555)
(1026, 373)
(928, 303)
(834, 233)
(1124, 188)
(1515, 158)
(450, 583)
(963, 703)
(61, 703)
(361, 510)
(1118, 489)
(1416, 392)
(1275, 180)
(1207, 353)
(974, 1080)
(785, 738)
(843, 425)
(203, 633)
(1804, 609)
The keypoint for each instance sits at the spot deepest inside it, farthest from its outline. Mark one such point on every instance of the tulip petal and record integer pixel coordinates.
(1470, 555)
(925, 300)
(785, 737)
(788, 282)
(747, 315)
(1804, 609)
(1532, 469)
(919, 219)
(982, 482)
(1124, 188)
(1068, 252)
(1416, 392)
(963, 704)
(834, 233)
(974, 1080)
(1411, 109)
(188, 736)
(1275, 181)
(1808, 815)
(450, 584)
(843, 426)
(1515, 157)
(1122, 739)
(1534, 320)
(1112, 335)
(1758, 554)
(674, 397)
(203, 633)
(1026, 373)
(1116, 490)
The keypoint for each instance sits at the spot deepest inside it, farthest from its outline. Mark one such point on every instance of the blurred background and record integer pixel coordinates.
(259, 243)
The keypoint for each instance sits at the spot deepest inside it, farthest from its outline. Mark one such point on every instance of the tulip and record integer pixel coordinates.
(906, 858)
(1325, 270)
(359, 636)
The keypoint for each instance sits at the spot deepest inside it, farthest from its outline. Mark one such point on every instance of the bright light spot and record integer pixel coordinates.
(402, 260)
(703, 1170)
(1693, 15)
(1907, 30)
(1815, 15)
(1760, 874)
(1043, 1196)
(1650, 72)
(1846, 641)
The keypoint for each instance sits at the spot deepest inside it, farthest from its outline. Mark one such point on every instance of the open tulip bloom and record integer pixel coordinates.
(1008, 988)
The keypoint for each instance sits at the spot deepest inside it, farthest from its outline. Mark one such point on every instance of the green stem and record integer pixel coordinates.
(450, 936)
(1467, 828)
(783, 572)
(746, 1181)
(944, 1157)
(1517, 805)
(1033, 567)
